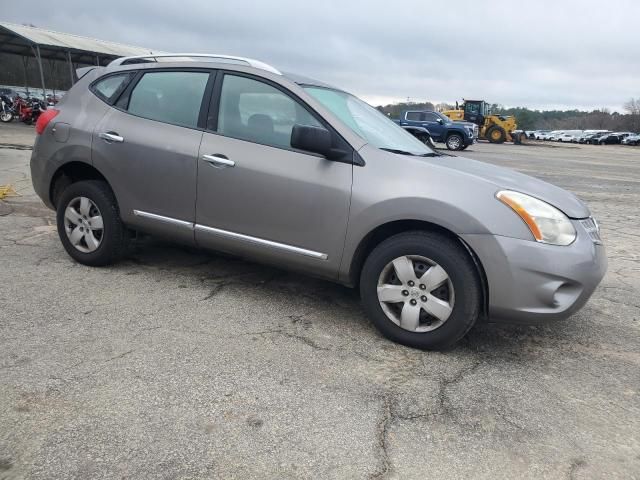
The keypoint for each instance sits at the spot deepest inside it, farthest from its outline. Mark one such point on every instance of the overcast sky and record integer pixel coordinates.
(542, 54)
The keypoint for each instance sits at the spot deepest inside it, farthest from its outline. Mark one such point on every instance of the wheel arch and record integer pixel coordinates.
(72, 172)
(380, 233)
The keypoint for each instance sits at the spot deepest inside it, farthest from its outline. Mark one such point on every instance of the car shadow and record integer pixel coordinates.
(219, 271)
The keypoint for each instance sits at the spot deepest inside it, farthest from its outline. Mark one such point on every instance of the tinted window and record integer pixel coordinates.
(254, 111)
(170, 97)
(431, 117)
(415, 116)
(109, 88)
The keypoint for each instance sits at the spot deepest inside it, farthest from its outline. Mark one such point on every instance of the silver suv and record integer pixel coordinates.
(230, 154)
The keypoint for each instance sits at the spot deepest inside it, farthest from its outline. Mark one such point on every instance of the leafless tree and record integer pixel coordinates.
(633, 109)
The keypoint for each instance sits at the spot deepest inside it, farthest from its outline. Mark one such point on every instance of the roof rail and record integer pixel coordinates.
(153, 58)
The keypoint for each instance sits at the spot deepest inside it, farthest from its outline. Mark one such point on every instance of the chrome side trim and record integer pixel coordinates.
(173, 221)
(261, 241)
(228, 234)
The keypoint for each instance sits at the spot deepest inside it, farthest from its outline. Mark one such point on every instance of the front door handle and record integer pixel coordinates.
(219, 161)
(111, 137)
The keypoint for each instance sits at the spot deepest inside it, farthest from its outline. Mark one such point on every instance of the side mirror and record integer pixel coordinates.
(311, 139)
(440, 121)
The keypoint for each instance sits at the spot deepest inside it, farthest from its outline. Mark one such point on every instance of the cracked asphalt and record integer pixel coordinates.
(184, 364)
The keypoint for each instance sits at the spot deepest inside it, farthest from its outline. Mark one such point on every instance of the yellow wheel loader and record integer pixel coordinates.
(495, 128)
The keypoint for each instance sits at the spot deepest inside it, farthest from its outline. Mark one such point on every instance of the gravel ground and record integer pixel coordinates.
(184, 364)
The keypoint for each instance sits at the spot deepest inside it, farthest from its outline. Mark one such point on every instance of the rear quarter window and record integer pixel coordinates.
(110, 87)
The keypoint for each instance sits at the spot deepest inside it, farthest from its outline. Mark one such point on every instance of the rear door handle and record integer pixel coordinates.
(111, 137)
(218, 160)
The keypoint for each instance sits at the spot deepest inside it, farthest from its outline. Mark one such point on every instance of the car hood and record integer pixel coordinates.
(461, 124)
(507, 179)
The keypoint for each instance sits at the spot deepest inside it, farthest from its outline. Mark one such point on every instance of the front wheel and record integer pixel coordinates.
(455, 142)
(496, 134)
(6, 117)
(421, 289)
(89, 224)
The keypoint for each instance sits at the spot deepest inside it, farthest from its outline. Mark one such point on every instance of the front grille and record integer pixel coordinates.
(592, 228)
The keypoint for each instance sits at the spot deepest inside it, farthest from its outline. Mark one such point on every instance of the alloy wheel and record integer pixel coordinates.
(453, 142)
(415, 293)
(83, 224)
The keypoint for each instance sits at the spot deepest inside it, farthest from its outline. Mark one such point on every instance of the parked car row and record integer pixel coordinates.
(593, 137)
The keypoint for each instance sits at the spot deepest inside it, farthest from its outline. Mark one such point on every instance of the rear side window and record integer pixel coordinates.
(110, 87)
(414, 116)
(170, 97)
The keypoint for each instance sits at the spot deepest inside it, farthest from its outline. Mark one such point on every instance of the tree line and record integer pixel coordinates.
(601, 119)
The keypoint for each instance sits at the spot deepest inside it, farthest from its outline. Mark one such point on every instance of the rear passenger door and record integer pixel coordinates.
(147, 145)
(258, 196)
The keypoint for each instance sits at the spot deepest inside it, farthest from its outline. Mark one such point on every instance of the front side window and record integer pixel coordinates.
(170, 97)
(255, 111)
(367, 122)
(109, 88)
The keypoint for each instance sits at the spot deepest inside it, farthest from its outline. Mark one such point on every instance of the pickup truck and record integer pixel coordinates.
(439, 127)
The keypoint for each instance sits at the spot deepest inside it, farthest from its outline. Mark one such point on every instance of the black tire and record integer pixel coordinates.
(114, 234)
(6, 117)
(449, 254)
(496, 134)
(455, 142)
(426, 139)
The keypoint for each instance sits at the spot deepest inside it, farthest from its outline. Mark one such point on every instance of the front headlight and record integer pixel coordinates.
(547, 223)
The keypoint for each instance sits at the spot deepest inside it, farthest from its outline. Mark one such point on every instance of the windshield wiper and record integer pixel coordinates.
(404, 152)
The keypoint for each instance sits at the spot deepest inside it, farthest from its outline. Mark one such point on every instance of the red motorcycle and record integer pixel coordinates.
(27, 110)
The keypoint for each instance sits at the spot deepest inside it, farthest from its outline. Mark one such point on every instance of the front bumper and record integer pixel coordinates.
(531, 282)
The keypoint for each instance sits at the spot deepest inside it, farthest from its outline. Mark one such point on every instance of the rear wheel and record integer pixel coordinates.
(421, 289)
(455, 142)
(89, 224)
(426, 139)
(6, 117)
(496, 134)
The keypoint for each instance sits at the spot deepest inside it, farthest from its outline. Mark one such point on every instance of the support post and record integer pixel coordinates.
(71, 76)
(97, 60)
(39, 59)
(25, 64)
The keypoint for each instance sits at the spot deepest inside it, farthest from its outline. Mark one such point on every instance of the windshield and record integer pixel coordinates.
(446, 119)
(367, 122)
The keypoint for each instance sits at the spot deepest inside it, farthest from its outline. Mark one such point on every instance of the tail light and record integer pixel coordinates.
(44, 119)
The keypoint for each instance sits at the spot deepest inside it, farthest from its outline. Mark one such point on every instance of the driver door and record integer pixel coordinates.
(259, 197)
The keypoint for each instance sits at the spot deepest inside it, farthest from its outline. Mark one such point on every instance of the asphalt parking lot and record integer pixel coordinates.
(184, 364)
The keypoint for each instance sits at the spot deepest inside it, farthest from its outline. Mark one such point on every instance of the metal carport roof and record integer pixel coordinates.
(46, 44)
